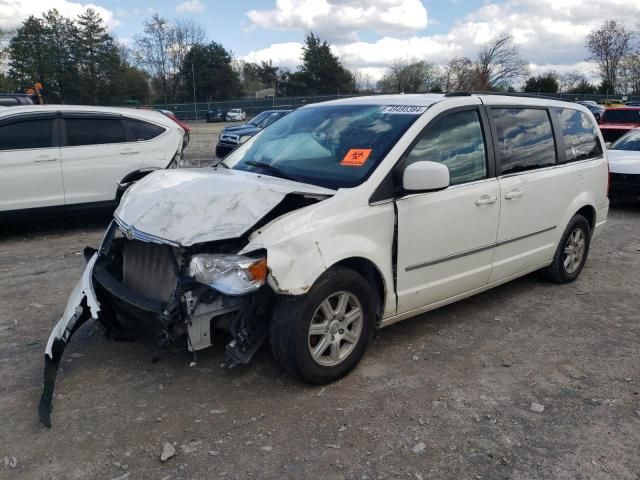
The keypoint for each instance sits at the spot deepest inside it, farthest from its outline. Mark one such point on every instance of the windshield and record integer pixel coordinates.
(629, 141)
(621, 116)
(333, 146)
(258, 118)
(266, 118)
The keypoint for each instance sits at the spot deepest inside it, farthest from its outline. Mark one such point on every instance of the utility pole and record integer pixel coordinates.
(193, 79)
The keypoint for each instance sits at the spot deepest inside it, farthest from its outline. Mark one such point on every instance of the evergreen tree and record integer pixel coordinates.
(321, 71)
(209, 67)
(29, 58)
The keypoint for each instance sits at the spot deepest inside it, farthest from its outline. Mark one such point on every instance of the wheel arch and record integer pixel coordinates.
(372, 274)
(588, 212)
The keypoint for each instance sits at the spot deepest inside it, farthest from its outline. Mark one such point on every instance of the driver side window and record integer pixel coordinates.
(455, 140)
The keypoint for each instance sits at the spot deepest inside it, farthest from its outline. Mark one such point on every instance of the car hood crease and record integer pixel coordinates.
(192, 206)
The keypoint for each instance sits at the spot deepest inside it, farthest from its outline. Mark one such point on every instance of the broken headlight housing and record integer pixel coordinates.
(229, 274)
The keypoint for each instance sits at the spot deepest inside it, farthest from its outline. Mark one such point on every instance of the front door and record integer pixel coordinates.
(446, 239)
(30, 163)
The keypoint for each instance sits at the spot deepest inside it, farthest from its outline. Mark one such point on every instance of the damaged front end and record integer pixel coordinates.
(140, 286)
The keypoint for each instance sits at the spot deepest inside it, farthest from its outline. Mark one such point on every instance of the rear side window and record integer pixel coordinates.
(580, 135)
(142, 130)
(94, 131)
(26, 134)
(8, 101)
(525, 139)
(457, 142)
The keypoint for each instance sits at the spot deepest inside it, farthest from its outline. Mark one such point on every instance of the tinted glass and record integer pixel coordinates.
(8, 101)
(525, 138)
(332, 146)
(621, 116)
(27, 134)
(143, 130)
(456, 141)
(94, 131)
(580, 134)
(629, 141)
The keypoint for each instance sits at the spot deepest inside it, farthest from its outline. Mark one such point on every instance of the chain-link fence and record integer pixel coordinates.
(193, 111)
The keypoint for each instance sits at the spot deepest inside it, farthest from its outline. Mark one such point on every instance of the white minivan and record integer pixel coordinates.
(344, 217)
(61, 157)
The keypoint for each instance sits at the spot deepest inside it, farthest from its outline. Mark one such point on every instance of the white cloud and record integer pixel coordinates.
(190, 6)
(341, 19)
(550, 33)
(13, 12)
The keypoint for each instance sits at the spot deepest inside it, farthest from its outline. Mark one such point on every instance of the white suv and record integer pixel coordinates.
(343, 217)
(236, 115)
(68, 156)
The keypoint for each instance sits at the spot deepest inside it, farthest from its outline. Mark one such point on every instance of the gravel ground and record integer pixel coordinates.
(202, 143)
(529, 380)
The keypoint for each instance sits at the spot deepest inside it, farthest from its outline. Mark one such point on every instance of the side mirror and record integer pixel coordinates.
(425, 176)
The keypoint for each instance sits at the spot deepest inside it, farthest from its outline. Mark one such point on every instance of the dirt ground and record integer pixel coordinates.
(202, 143)
(446, 395)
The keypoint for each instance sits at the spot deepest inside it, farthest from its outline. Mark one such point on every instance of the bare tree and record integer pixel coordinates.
(629, 75)
(162, 48)
(608, 46)
(459, 75)
(569, 81)
(499, 64)
(415, 77)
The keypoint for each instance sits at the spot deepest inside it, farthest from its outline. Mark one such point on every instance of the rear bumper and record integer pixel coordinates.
(625, 186)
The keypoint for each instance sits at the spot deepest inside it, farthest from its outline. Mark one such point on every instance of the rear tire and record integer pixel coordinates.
(571, 253)
(320, 336)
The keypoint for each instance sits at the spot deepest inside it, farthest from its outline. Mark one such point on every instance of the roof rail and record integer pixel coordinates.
(505, 94)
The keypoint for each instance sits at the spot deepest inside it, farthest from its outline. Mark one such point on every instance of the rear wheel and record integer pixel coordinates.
(571, 253)
(320, 336)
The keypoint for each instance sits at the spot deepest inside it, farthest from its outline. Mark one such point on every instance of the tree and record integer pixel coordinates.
(544, 83)
(29, 59)
(163, 48)
(499, 64)
(62, 65)
(608, 46)
(569, 81)
(209, 67)
(459, 75)
(415, 77)
(630, 74)
(584, 87)
(321, 71)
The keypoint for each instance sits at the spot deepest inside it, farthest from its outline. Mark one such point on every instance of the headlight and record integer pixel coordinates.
(244, 138)
(229, 274)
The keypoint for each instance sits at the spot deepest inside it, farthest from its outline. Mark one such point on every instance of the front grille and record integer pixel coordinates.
(149, 269)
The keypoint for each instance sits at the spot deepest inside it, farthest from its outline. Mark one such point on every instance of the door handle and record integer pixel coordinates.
(44, 159)
(129, 152)
(486, 200)
(513, 194)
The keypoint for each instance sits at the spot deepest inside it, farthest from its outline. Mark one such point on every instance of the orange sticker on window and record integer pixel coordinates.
(356, 157)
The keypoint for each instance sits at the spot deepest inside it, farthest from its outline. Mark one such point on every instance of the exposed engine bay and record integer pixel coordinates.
(141, 286)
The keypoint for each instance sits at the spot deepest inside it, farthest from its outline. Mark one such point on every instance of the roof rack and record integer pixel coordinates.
(505, 94)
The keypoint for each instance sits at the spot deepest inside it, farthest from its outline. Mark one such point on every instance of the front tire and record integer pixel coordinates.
(571, 253)
(320, 336)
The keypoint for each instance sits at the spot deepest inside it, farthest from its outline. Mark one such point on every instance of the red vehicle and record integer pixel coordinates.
(615, 122)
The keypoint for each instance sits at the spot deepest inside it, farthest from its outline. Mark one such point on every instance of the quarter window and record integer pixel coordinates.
(26, 134)
(457, 142)
(142, 130)
(580, 135)
(525, 139)
(94, 131)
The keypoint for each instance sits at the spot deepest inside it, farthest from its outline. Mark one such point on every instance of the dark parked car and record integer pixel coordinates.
(15, 99)
(594, 108)
(217, 115)
(231, 137)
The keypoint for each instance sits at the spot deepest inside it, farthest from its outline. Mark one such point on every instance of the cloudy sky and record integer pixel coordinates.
(368, 34)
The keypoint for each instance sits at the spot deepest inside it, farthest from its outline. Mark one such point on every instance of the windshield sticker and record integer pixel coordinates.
(356, 157)
(405, 109)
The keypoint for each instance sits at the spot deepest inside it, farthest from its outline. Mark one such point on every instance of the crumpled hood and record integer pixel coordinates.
(624, 161)
(189, 206)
